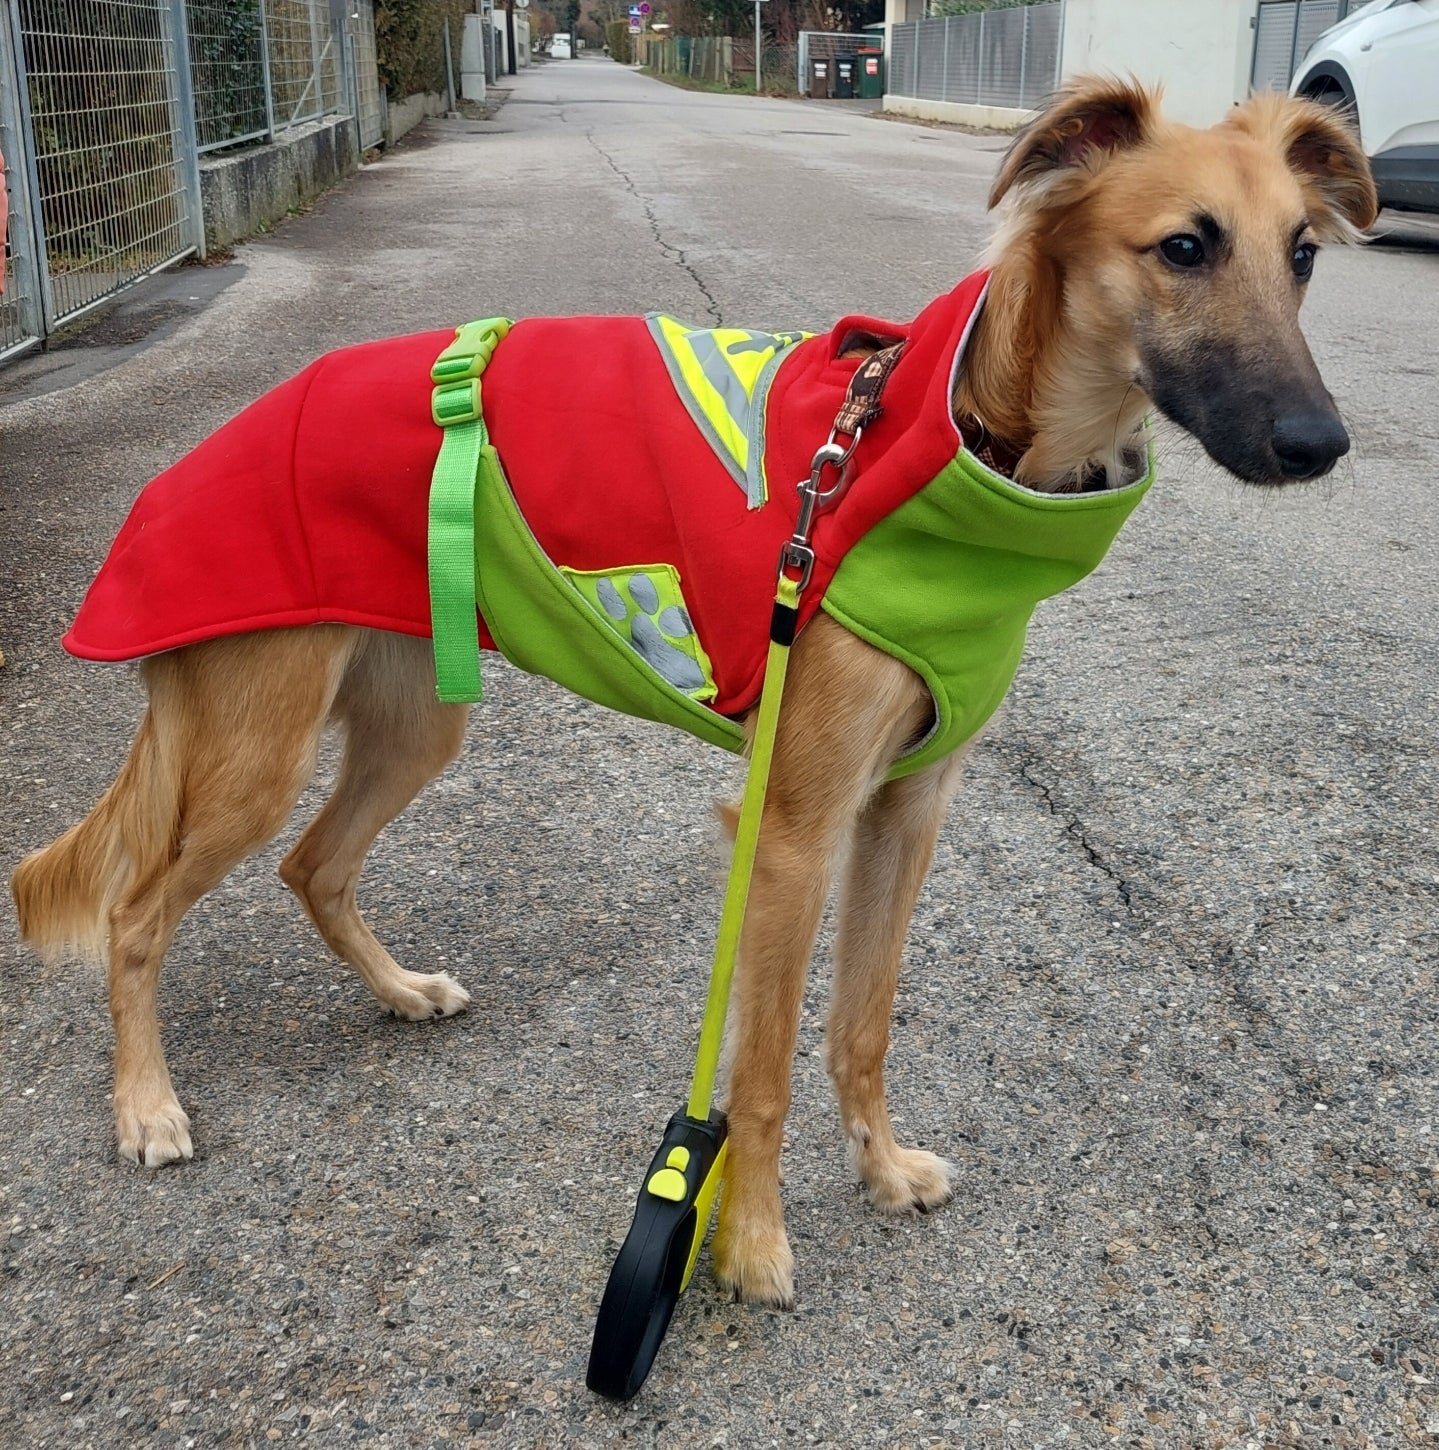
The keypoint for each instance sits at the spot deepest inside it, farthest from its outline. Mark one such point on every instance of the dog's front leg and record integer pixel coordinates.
(848, 710)
(893, 846)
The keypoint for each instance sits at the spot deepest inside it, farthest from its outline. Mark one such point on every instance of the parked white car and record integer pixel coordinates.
(1382, 63)
(560, 47)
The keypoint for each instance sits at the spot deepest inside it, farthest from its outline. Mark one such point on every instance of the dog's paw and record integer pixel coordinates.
(907, 1180)
(153, 1135)
(756, 1267)
(416, 996)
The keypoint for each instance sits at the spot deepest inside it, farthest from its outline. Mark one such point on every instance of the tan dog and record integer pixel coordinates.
(1140, 263)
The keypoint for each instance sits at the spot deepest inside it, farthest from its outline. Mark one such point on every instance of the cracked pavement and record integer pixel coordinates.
(1169, 1000)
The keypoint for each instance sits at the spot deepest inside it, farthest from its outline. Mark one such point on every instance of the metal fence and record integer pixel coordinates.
(106, 107)
(364, 67)
(700, 57)
(100, 153)
(260, 67)
(825, 45)
(992, 58)
(1283, 31)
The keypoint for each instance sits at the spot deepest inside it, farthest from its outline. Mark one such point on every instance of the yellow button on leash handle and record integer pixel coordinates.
(654, 1264)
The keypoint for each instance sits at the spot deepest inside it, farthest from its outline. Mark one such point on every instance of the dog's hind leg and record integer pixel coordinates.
(893, 846)
(398, 737)
(848, 711)
(235, 726)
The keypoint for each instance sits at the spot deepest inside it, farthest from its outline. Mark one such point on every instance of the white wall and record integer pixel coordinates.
(1201, 52)
(896, 12)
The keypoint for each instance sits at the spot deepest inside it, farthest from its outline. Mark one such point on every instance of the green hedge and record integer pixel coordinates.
(410, 46)
(617, 37)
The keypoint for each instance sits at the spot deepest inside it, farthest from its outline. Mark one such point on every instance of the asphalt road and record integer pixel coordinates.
(1170, 996)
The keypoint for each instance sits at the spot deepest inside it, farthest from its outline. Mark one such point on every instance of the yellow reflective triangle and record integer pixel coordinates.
(722, 374)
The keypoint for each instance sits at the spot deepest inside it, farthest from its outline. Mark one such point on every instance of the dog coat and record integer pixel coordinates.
(627, 544)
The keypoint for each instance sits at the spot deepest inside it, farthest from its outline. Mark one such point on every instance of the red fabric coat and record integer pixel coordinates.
(311, 505)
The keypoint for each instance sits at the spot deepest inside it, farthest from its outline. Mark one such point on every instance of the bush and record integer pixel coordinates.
(617, 37)
(409, 45)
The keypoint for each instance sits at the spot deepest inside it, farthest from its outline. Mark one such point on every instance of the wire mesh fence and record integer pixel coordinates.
(826, 45)
(365, 68)
(227, 71)
(1006, 58)
(106, 107)
(304, 63)
(778, 66)
(105, 157)
(20, 306)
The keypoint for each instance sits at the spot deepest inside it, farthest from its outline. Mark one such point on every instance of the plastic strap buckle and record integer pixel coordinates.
(469, 354)
(452, 403)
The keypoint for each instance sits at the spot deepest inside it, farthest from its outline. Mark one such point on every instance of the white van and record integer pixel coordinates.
(560, 47)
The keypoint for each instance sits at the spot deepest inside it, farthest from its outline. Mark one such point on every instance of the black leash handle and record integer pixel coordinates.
(658, 1255)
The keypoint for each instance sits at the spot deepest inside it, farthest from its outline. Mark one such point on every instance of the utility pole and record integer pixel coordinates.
(510, 67)
(758, 48)
(485, 10)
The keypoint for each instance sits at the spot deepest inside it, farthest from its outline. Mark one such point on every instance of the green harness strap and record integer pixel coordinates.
(455, 407)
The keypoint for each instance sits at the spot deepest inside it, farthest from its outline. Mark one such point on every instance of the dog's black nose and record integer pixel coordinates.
(1308, 444)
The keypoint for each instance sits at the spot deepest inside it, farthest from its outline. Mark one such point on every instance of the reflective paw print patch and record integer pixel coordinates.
(643, 604)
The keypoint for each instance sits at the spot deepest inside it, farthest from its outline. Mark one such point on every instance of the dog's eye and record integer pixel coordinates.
(1182, 251)
(1303, 260)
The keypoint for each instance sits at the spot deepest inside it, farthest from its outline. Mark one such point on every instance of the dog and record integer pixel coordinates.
(1139, 264)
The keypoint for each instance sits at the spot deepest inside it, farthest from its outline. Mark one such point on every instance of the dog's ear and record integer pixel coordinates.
(1324, 153)
(1089, 118)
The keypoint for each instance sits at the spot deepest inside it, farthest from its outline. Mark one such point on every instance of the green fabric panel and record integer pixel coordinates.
(542, 623)
(948, 582)
(658, 627)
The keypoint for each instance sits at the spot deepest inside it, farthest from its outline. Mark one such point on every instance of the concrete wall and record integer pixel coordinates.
(522, 43)
(1200, 52)
(955, 113)
(403, 116)
(244, 193)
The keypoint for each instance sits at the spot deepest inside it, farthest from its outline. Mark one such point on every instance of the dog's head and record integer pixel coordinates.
(1180, 258)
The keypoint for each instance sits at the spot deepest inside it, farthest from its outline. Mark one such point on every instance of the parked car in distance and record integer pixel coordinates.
(1382, 65)
(560, 47)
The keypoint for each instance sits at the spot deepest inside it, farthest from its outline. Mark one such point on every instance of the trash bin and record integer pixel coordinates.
(871, 73)
(845, 68)
(819, 76)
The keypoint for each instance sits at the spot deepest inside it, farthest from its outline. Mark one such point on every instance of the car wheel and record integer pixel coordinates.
(1328, 92)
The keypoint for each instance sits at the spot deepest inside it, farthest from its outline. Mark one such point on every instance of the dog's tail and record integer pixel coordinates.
(64, 892)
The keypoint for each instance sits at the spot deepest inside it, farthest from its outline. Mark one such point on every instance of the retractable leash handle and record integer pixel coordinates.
(682, 1185)
(658, 1256)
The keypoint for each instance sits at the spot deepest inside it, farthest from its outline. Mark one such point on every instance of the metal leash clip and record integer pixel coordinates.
(796, 552)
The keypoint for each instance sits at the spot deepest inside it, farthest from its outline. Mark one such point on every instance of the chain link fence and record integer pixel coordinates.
(106, 107)
(1283, 32)
(1006, 58)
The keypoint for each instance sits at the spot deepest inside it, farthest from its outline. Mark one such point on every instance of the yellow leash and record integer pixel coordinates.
(682, 1185)
(746, 844)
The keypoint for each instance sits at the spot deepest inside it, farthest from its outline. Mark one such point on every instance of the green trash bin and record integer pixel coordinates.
(871, 73)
